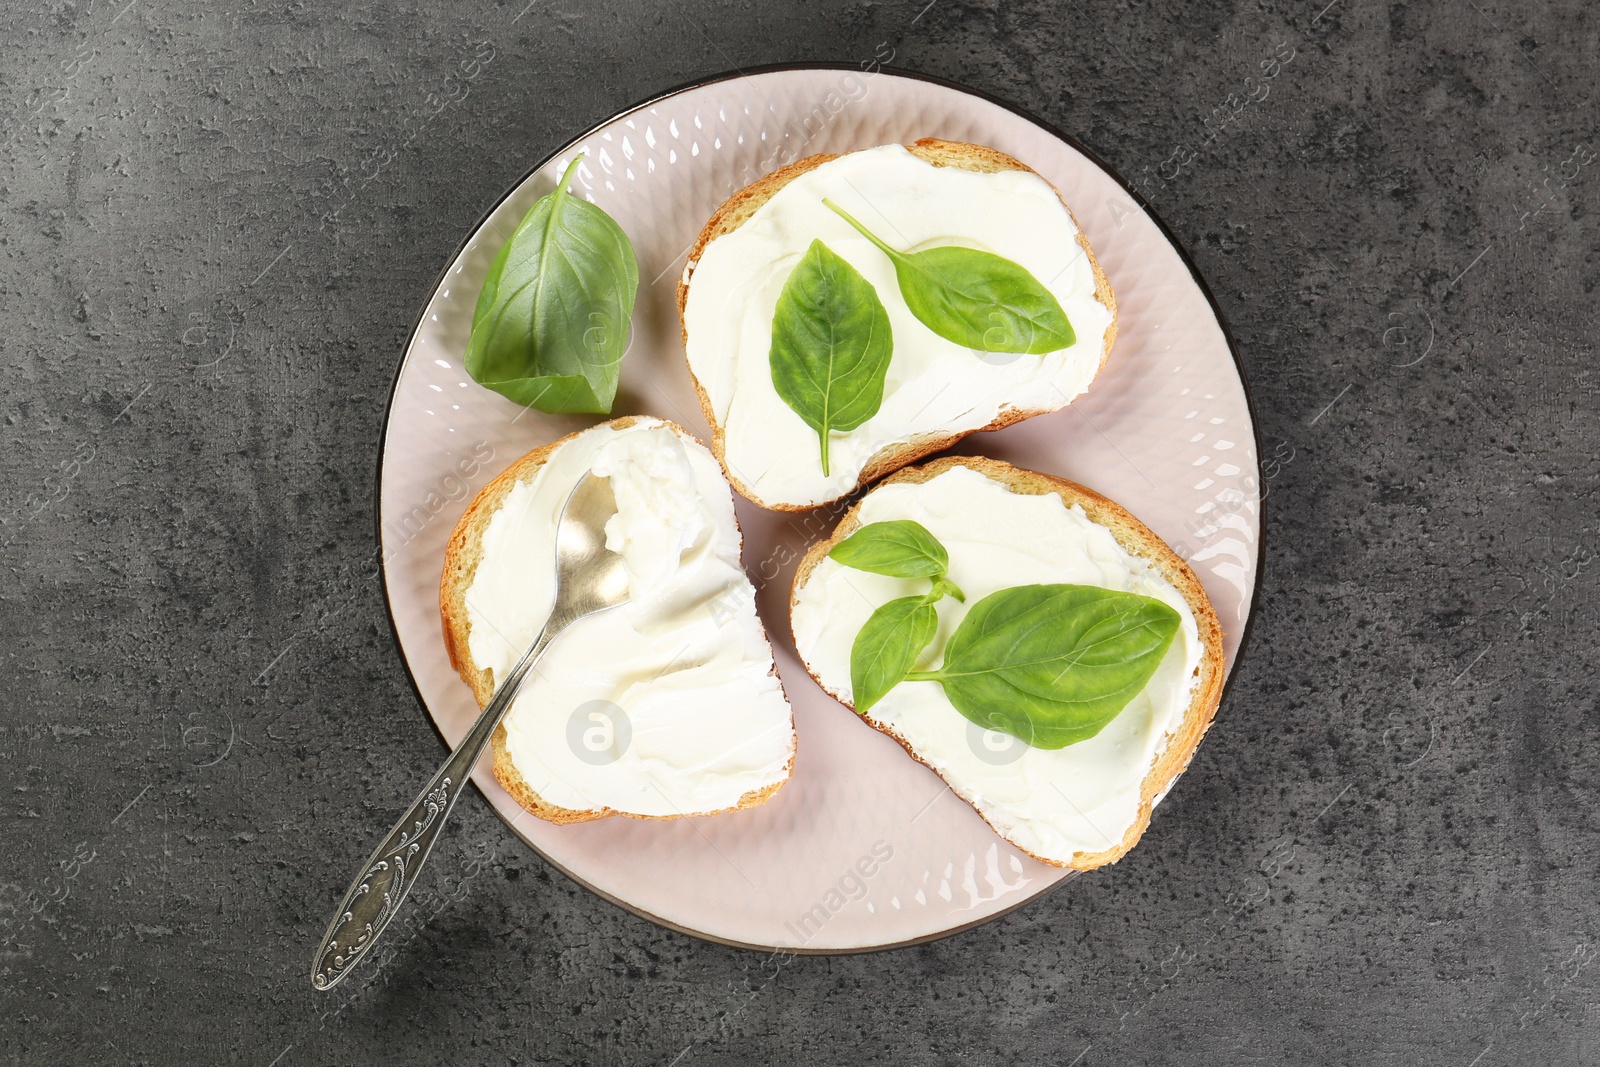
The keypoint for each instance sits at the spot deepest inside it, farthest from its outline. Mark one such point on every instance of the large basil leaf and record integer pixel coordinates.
(553, 315)
(1053, 664)
(830, 344)
(976, 299)
(888, 646)
(900, 548)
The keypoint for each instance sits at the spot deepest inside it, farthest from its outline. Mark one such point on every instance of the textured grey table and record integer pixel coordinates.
(1384, 852)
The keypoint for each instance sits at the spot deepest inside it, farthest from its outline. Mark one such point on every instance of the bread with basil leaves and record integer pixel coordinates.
(849, 314)
(1026, 638)
(666, 706)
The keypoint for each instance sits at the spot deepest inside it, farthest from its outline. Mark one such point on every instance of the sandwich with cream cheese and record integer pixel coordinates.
(668, 705)
(1072, 781)
(877, 210)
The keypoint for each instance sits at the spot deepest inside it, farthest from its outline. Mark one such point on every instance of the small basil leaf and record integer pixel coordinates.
(900, 548)
(552, 319)
(888, 646)
(1053, 664)
(976, 299)
(830, 344)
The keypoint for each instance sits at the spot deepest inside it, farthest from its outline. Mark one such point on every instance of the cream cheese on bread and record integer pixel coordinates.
(1054, 804)
(703, 720)
(935, 388)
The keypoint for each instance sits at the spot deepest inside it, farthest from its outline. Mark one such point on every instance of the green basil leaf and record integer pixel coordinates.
(553, 315)
(900, 548)
(1053, 664)
(830, 344)
(888, 646)
(976, 299)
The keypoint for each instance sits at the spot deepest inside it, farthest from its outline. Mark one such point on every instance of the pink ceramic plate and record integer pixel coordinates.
(863, 848)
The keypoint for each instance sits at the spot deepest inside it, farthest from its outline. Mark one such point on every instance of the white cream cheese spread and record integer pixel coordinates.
(1052, 802)
(934, 386)
(666, 705)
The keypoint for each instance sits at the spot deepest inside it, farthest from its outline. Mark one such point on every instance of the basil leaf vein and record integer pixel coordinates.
(552, 319)
(975, 299)
(830, 345)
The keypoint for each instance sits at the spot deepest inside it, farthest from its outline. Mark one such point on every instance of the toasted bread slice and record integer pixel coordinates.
(738, 209)
(462, 557)
(1138, 541)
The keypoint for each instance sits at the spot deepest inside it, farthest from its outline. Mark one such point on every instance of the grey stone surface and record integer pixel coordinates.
(1385, 852)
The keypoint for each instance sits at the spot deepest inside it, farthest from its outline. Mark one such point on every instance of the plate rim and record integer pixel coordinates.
(739, 74)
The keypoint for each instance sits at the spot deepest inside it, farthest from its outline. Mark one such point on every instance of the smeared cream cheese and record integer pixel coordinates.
(659, 513)
(933, 385)
(1053, 803)
(666, 705)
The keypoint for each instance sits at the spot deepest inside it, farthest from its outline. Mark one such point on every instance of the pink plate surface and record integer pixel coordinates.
(1165, 430)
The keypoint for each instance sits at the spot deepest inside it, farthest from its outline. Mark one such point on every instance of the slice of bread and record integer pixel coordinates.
(738, 209)
(462, 556)
(1138, 541)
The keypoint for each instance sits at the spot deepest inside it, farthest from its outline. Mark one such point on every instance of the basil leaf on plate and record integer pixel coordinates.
(900, 548)
(976, 299)
(1053, 664)
(830, 344)
(888, 646)
(553, 315)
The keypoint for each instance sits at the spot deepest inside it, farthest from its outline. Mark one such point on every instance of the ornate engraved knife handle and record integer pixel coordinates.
(388, 875)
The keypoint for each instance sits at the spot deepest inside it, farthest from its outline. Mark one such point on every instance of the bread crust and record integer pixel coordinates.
(738, 208)
(461, 558)
(1137, 539)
